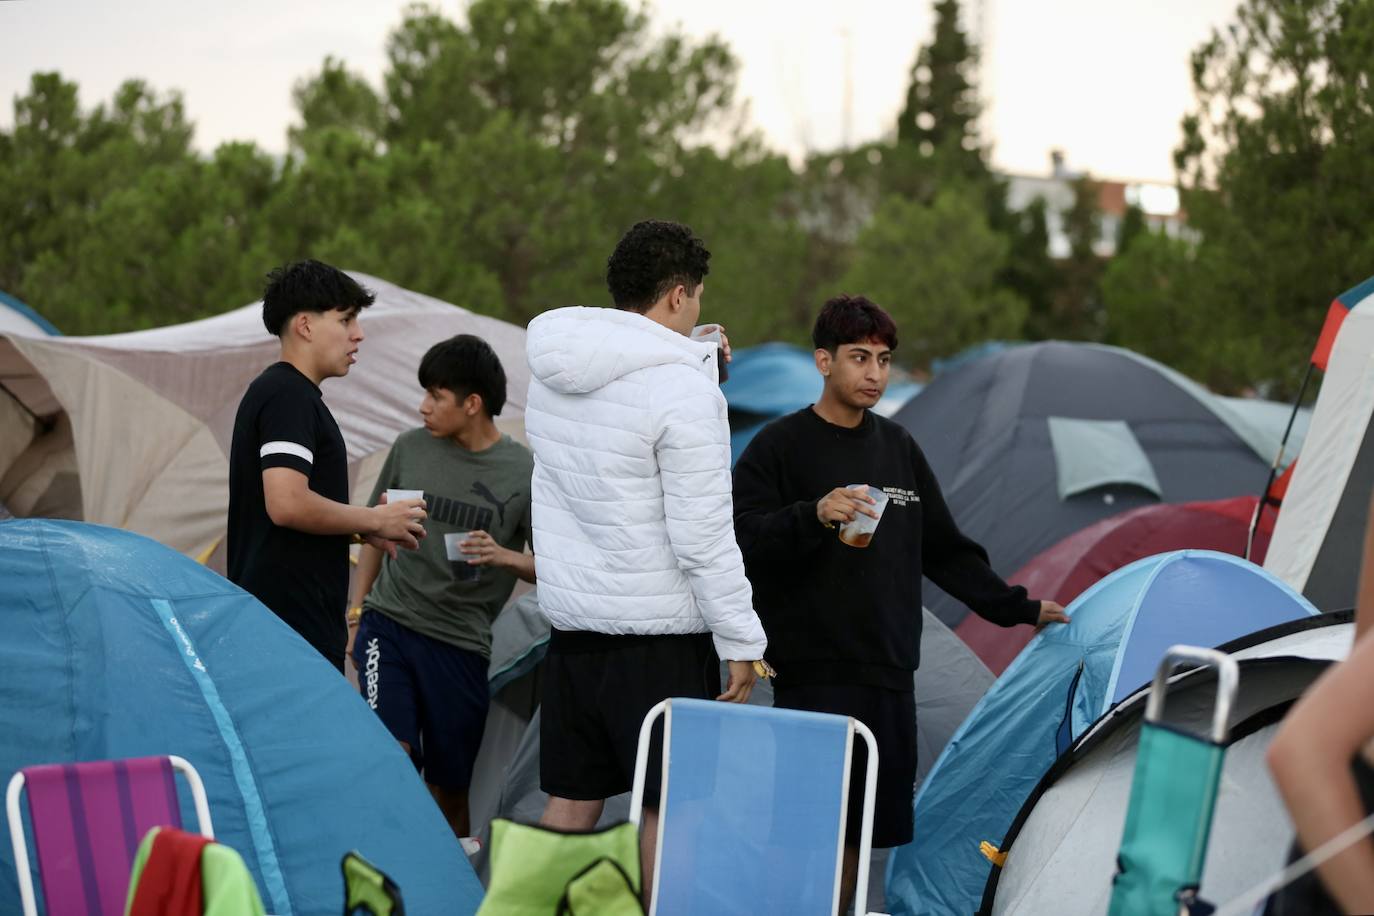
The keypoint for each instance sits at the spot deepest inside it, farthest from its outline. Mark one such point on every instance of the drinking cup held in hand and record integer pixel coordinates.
(711, 333)
(463, 571)
(859, 533)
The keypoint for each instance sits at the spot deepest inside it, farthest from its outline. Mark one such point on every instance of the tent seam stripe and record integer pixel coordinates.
(254, 809)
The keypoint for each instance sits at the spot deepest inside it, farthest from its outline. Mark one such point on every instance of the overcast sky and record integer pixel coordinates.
(1105, 81)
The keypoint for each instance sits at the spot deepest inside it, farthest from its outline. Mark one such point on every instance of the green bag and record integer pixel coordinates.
(603, 889)
(540, 872)
(368, 888)
(1173, 795)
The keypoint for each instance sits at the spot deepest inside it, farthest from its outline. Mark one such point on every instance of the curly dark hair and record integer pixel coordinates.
(852, 319)
(309, 286)
(466, 365)
(652, 258)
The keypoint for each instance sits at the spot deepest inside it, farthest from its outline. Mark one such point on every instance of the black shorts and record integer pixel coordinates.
(597, 690)
(428, 693)
(891, 716)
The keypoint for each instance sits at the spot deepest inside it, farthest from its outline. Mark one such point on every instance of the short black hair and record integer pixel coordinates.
(466, 365)
(309, 286)
(852, 319)
(652, 258)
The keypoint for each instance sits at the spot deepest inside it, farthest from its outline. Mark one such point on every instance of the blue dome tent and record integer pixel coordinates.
(18, 318)
(1062, 682)
(116, 646)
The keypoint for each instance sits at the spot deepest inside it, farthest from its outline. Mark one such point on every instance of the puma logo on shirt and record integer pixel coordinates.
(482, 490)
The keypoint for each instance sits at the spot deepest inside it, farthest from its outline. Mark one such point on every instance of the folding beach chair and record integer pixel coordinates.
(88, 820)
(1173, 794)
(752, 810)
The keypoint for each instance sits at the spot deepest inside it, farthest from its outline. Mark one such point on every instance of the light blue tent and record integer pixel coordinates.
(1065, 679)
(116, 646)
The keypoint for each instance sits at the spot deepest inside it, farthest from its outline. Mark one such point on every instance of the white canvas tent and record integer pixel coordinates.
(1320, 529)
(1061, 850)
(132, 430)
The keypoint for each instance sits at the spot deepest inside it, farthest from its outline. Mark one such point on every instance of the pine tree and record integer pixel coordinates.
(940, 117)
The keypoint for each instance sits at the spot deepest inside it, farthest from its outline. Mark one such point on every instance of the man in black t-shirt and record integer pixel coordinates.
(843, 613)
(289, 517)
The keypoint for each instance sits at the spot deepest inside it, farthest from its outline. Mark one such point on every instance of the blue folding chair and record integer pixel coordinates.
(753, 807)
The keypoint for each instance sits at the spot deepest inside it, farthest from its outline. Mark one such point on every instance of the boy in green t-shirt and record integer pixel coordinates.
(424, 638)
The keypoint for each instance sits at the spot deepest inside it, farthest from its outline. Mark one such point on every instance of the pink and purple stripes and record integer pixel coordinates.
(88, 819)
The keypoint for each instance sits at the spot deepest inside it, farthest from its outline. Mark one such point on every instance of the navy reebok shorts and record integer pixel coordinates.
(428, 693)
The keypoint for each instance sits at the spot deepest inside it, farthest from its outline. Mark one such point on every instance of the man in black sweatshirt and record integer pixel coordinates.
(844, 622)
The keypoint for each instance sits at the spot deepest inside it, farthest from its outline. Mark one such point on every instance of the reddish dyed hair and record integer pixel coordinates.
(852, 319)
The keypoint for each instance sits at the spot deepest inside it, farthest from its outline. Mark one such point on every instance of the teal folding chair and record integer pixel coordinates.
(752, 810)
(1173, 795)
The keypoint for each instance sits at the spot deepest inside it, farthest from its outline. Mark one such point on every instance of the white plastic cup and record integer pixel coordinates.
(394, 495)
(463, 571)
(711, 333)
(859, 533)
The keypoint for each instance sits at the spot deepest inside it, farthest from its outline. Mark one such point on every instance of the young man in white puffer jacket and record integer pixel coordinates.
(635, 550)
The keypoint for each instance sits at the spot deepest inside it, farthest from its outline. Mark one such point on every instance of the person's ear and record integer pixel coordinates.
(823, 359)
(300, 323)
(472, 404)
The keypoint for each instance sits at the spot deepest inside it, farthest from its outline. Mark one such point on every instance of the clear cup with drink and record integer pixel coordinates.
(459, 562)
(859, 533)
(712, 333)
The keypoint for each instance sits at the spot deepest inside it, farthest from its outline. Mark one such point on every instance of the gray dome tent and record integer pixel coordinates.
(1061, 849)
(1035, 442)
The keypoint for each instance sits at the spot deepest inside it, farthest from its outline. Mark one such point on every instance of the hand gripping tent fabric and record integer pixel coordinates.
(1075, 564)
(116, 646)
(1064, 680)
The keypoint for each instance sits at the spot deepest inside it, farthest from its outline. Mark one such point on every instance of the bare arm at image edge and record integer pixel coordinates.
(1311, 757)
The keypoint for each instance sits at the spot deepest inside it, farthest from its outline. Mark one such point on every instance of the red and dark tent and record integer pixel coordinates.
(1067, 569)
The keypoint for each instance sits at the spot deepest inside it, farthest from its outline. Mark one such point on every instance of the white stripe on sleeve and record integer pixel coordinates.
(287, 448)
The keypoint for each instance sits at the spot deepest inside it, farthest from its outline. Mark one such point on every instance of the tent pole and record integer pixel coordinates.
(45, 424)
(1274, 468)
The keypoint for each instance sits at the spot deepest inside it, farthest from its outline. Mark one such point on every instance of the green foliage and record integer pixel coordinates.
(940, 117)
(943, 292)
(495, 167)
(1029, 273)
(1076, 308)
(502, 154)
(1275, 169)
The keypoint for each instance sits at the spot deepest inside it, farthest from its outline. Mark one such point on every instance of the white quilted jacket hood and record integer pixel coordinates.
(633, 524)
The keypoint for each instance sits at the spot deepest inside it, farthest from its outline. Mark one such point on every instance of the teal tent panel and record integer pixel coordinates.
(116, 646)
